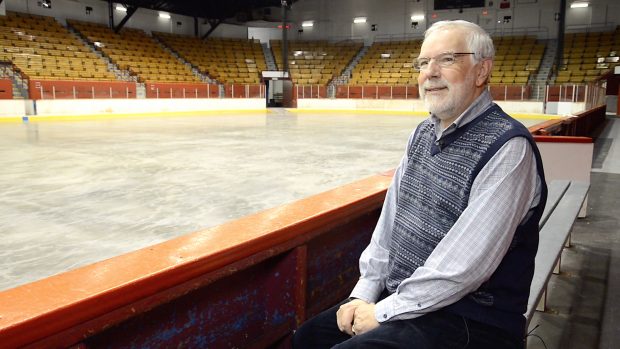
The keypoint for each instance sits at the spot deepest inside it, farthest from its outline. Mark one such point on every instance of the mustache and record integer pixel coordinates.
(434, 84)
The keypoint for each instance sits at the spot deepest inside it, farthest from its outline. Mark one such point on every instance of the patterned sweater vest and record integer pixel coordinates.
(434, 192)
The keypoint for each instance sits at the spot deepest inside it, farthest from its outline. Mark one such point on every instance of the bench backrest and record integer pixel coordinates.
(563, 204)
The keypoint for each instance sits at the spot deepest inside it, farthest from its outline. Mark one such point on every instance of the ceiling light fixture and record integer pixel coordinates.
(579, 5)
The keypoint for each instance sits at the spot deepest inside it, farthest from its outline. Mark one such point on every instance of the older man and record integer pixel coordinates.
(451, 260)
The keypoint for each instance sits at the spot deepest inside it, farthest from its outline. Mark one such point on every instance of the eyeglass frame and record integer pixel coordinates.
(416, 64)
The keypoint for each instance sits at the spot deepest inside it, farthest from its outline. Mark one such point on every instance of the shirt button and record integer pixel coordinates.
(419, 305)
(385, 316)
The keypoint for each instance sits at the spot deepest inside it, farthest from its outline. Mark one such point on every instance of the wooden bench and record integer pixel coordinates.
(564, 201)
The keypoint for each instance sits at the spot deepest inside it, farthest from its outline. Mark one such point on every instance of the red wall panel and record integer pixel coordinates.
(6, 89)
(181, 90)
(61, 89)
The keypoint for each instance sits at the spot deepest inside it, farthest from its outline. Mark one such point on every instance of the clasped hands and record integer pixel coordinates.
(356, 317)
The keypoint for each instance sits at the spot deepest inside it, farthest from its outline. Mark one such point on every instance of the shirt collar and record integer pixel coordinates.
(480, 104)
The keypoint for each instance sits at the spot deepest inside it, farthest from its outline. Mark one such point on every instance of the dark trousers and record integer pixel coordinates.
(439, 329)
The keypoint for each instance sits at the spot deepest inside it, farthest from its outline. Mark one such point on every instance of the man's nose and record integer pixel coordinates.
(433, 69)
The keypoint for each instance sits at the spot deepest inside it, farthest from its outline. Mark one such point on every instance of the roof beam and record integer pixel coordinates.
(130, 11)
(214, 23)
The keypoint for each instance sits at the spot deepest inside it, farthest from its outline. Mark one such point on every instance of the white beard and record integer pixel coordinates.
(451, 101)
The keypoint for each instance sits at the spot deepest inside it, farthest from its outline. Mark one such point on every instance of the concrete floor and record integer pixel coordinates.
(577, 297)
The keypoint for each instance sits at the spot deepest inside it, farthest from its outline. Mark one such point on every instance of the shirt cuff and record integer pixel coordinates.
(384, 310)
(367, 290)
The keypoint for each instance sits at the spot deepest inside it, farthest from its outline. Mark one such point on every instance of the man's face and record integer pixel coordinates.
(447, 91)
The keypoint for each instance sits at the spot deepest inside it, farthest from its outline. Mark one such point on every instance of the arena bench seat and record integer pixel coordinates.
(564, 201)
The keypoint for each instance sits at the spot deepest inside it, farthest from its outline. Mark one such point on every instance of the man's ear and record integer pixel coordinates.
(484, 72)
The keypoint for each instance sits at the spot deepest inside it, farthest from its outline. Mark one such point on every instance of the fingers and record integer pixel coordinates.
(345, 315)
(364, 319)
(344, 318)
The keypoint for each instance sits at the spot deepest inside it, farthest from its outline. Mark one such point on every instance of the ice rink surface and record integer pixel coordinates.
(77, 192)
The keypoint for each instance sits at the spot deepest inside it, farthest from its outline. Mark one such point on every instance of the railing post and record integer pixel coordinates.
(406, 92)
(110, 91)
(546, 100)
(183, 92)
(208, 91)
(348, 96)
(157, 93)
(127, 92)
(73, 92)
(53, 92)
(41, 89)
(522, 90)
(376, 91)
(196, 92)
(391, 92)
(92, 91)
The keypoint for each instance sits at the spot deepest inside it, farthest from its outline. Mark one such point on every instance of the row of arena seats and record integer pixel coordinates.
(387, 63)
(133, 50)
(41, 48)
(587, 56)
(225, 60)
(324, 60)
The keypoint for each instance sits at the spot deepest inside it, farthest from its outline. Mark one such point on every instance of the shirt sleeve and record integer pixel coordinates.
(373, 262)
(501, 196)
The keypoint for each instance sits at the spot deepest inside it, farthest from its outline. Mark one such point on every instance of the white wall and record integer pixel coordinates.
(141, 106)
(229, 31)
(264, 34)
(566, 160)
(363, 104)
(333, 19)
(145, 19)
(13, 107)
(521, 107)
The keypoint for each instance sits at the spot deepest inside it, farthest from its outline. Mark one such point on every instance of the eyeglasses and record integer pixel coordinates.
(444, 60)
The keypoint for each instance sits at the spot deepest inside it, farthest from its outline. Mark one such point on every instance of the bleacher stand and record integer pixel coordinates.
(516, 58)
(133, 50)
(388, 63)
(226, 60)
(41, 48)
(315, 62)
(587, 56)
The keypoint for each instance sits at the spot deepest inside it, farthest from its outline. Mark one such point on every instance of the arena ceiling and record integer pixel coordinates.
(239, 10)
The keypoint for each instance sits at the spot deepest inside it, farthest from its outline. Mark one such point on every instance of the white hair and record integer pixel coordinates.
(478, 40)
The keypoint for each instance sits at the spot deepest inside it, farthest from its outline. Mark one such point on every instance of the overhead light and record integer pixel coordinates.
(307, 24)
(579, 4)
(359, 20)
(121, 8)
(164, 15)
(417, 17)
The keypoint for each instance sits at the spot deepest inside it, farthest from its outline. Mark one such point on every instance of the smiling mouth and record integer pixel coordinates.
(434, 89)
